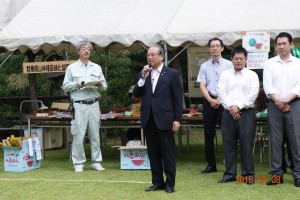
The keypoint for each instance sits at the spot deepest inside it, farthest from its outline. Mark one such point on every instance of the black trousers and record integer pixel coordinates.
(210, 117)
(242, 130)
(161, 152)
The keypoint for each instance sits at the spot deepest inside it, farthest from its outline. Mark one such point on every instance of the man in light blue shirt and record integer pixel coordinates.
(84, 79)
(208, 77)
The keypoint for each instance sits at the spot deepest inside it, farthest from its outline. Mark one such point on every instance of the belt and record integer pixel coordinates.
(213, 96)
(296, 99)
(244, 109)
(89, 102)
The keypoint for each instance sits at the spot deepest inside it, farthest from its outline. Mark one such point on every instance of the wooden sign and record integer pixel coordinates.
(46, 67)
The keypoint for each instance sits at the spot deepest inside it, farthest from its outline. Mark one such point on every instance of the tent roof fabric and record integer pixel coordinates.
(117, 24)
(9, 9)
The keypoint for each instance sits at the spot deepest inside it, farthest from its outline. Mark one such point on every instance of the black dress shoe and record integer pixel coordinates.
(153, 188)
(275, 181)
(209, 169)
(297, 182)
(226, 180)
(169, 189)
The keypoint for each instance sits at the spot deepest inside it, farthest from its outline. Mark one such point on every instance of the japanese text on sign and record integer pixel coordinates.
(46, 67)
(135, 155)
(256, 60)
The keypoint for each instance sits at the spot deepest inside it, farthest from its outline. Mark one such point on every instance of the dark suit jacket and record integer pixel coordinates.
(166, 101)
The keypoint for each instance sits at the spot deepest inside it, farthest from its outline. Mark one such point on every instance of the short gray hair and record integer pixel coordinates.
(82, 43)
(160, 49)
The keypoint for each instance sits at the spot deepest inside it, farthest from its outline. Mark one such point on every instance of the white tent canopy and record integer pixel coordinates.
(9, 9)
(117, 24)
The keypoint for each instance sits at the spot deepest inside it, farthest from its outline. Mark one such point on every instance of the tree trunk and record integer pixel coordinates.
(32, 81)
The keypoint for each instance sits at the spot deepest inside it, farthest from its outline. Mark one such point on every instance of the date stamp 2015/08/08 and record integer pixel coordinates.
(260, 179)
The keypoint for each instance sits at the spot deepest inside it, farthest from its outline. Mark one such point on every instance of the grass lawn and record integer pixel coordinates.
(56, 178)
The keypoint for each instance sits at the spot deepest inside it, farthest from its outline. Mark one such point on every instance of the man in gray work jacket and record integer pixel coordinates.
(84, 79)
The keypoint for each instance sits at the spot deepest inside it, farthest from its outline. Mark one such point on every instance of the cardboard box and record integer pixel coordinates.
(42, 114)
(61, 106)
(16, 160)
(136, 110)
(134, 157)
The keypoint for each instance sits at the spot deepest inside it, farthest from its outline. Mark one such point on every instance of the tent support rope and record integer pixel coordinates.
(7, 58)
(180, 52)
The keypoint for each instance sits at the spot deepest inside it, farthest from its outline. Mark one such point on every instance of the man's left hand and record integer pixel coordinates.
(176, 126)
(234, 112)
(286, 108)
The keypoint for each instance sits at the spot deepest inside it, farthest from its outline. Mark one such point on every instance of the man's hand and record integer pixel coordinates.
(215, 103)
(236, 116)
(280, 104)
(176, 126)
(79, 84)
(287, 108)
(234, 112)
(145, 71)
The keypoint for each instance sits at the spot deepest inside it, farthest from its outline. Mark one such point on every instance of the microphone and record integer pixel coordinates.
(145, 71)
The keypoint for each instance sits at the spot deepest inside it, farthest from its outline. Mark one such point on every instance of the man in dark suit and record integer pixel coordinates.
(161, 112)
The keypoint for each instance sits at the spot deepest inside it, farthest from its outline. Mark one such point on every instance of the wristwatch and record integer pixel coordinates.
(285, 102)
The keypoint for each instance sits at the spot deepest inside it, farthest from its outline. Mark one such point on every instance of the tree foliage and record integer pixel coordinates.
(121, 72)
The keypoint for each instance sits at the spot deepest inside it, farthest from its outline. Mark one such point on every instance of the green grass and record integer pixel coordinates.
(56, 179)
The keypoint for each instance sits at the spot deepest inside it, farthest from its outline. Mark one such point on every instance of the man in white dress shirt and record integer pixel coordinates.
(281, 78)
(238, 89)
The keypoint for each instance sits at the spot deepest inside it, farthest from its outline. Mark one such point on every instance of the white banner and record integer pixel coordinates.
(196, 56)
(257, 60)
(256, 41)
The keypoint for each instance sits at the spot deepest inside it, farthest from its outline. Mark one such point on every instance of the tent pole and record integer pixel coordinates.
(166, 53)
(105, 72)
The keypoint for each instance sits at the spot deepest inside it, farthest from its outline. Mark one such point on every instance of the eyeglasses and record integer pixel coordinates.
(85, 48)
(215, 46)
(152, 55)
